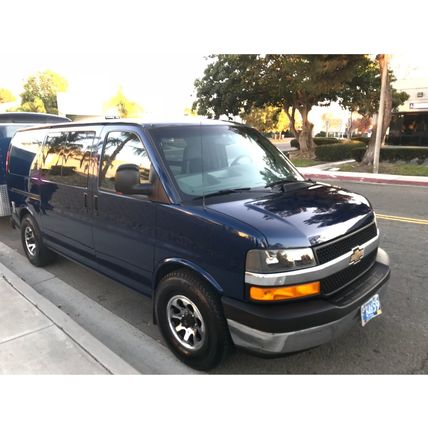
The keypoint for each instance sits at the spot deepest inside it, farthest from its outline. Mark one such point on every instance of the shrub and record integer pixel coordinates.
(294, 143)
(361, 139)
(323, 141)
(357, 153)
(394, 154)
(319, 141)
(337, 152)
(321, 134)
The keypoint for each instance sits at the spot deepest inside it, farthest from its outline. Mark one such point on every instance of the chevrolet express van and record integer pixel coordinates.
(9, 124)
(209, 219)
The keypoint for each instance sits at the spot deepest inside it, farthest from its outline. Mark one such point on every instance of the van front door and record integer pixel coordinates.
(124, 226)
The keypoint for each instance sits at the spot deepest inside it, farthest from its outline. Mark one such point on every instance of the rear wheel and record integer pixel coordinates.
(32, 242)
(191, 320)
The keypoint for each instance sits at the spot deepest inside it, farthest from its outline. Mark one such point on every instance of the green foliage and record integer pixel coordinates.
(319, 141)
(394, 154)
(294, 143)
(361, 139)
(235, 84)
(321, 134)
(36, 105)
(362, 95)
(189, 112)
(323, 141)
(337, 152)
(6, 96)
(304, 162)
(40, 92)
(123, 106)
(267, 119)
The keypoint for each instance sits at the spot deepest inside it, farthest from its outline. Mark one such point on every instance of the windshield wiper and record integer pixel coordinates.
(223, 192)
(281, 182)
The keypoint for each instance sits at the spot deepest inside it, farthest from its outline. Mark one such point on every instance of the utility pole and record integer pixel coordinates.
(383, 60)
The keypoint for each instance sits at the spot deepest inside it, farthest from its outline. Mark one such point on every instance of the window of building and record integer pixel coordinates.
(122, 148)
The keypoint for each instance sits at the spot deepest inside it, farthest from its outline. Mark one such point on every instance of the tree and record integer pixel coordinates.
(124, 106)
(363, 96)
(6, 96)
(362, 124)
(233, 84)
(188, 111)
(267, 119)
(40, 92)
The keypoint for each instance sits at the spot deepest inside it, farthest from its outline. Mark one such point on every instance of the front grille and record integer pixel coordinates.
(330, 251)
(341, 279)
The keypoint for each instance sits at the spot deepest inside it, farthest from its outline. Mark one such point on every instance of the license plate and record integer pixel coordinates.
(370, 309)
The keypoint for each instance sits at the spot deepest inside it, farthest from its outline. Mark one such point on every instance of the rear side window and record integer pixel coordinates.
(25, 146)
(66, 157)
(122, 148)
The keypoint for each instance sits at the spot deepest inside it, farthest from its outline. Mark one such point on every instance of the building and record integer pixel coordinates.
(409, 126)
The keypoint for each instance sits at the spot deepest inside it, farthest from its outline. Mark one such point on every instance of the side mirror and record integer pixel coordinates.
(127, 181)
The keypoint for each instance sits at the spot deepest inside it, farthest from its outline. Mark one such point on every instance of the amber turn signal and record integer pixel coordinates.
(284, 293)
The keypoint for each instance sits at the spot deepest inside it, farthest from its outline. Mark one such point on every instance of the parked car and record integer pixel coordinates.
(9, 124)
(211, 221)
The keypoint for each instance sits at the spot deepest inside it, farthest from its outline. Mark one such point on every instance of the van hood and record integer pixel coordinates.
(302, 216)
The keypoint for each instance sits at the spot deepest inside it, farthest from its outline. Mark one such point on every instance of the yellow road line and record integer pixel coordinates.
(402, 219)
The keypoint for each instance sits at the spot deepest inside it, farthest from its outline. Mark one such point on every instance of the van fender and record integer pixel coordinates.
(26, 209)
(168, 265)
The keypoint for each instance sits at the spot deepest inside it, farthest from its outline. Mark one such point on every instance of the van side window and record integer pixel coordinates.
(77, 158)
(122, 148)
(24, 151)
(66, 157)
(53, 155)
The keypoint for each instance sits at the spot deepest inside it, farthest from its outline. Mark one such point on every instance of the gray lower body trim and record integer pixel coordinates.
(267, 343)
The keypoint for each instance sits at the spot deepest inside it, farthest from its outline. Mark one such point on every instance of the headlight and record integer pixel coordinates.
(273, 261)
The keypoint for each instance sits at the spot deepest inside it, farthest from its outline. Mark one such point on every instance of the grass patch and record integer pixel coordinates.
(388, 168)
(305, 162)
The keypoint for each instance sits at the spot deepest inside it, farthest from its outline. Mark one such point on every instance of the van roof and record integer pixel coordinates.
(138, 121)
(26, 117)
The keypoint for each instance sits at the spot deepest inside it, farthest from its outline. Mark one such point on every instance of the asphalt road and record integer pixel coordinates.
(395, 342)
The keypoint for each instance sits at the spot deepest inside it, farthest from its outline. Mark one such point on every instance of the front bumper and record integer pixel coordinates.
(295, 326)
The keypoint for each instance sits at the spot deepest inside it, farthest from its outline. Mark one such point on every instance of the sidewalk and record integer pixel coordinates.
(38, 338)
(320, 173)
(104, 337)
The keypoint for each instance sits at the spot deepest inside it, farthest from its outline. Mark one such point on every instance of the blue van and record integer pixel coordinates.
(9, 124)
(212, 221)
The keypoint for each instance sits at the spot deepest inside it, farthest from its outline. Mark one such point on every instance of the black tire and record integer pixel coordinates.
(216, 342)
(40, 255)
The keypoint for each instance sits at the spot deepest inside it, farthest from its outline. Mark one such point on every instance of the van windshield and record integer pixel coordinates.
(210, 159)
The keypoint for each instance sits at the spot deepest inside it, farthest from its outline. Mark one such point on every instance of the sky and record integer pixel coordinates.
(156, 50)
(161, 83)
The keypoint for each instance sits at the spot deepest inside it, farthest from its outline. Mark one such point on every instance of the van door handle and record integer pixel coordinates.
(96, 204)
(85, 200)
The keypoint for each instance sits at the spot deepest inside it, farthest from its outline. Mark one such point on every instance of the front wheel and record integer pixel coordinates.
(191, 320)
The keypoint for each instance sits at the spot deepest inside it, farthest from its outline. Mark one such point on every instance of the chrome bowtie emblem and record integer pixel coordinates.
(357, 255)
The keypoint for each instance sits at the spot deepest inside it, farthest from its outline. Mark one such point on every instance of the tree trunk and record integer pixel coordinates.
(369, 155)
(292, 118)
(306, 141)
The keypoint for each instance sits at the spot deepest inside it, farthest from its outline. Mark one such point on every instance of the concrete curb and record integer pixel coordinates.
(103, 355)
(318, 174)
